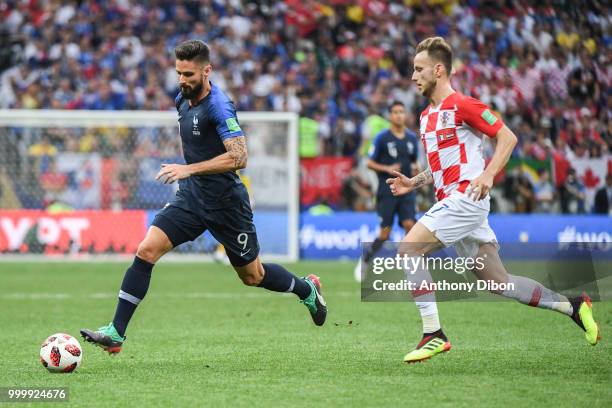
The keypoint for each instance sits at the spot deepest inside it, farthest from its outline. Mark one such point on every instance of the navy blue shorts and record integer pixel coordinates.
(388, 206)
(232, 226)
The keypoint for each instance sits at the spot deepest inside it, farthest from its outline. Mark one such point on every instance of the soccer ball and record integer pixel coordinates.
(61, 353)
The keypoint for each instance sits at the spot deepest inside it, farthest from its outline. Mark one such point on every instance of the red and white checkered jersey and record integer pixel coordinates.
(452, 136)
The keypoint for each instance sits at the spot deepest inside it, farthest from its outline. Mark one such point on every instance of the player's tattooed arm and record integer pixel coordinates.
(401, 184)
(234, 159)
(237, 150)
(424, 177)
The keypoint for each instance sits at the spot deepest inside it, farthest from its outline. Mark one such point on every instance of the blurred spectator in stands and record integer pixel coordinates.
(540, 148)
(53, 182)
(103, 98)
(525, 198)
(544, 192)
(346, 137)
(572, 194)
(526, 78)
(518, 190)
(603, 197)
(43, 147)
(64, 94)
(567, 37)
(540, 38)
(357, 194)
(583, 83)
(13, 81)
(119, 192)
(31, 97)
(542, 68)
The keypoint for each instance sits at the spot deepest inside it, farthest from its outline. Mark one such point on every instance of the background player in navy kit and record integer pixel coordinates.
(393, 149)
(211, 197)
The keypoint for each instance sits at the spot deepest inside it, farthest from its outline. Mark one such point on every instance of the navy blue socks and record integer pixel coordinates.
(133, 289)
(279, 279)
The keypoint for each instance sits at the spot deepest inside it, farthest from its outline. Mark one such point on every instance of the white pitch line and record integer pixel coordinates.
(189, 295)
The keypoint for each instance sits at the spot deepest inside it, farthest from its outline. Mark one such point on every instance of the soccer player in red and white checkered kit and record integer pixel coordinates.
(452, 128)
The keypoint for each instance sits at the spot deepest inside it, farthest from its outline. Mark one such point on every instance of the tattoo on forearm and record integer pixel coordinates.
(422, 178)
(236, 147)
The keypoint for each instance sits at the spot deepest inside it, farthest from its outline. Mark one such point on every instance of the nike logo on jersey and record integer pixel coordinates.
(245, 252)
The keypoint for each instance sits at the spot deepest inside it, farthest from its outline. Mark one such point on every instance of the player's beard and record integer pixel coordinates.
(428, 88)
(191, 93)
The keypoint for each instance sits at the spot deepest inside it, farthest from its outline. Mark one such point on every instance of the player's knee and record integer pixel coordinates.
(251, 275)
(251, 279)
(149, 252)
(410, 249)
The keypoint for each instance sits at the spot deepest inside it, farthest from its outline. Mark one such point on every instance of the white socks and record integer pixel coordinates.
(532, 293)
(425, 300)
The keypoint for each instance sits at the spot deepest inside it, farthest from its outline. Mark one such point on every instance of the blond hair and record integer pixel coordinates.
(438, 50)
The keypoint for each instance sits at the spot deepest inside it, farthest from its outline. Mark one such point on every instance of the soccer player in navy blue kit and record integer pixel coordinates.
(393, 149)
(210, 197)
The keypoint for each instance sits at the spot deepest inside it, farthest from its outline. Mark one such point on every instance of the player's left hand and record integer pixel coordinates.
(480, 187)
(170, 173)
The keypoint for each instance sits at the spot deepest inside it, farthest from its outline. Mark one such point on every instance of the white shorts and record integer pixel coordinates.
(459, 221)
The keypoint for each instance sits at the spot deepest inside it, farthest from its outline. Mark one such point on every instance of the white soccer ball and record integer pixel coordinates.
(61, 353)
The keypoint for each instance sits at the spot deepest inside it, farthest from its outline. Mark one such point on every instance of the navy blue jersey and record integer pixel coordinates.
(388, 149)
(203, 128)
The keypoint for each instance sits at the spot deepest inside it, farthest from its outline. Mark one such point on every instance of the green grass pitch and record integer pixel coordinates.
(201, 338)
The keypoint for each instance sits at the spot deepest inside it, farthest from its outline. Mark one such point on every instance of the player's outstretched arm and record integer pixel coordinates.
(480, 186)
(234, 159)
(400, 184)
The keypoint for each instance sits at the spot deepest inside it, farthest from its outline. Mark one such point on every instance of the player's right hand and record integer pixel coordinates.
(170, 173)
(400, 184)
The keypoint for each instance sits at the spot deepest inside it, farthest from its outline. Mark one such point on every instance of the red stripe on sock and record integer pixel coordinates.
(535, 296)
(420, 292)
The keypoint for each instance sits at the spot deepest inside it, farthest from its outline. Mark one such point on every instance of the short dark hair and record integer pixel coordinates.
(396, 103)
(439, 51)
(193, 50)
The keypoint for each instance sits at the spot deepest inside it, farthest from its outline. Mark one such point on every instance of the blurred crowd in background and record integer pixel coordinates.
(544, 67)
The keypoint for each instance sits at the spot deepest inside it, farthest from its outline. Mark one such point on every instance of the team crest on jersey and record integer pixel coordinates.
(196, 129)
(445, 117)
(410, 147)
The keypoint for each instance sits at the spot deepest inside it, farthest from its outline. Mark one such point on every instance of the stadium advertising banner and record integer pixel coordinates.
(334, 236)
(42, 232)
(322, 177)
(339, 235)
